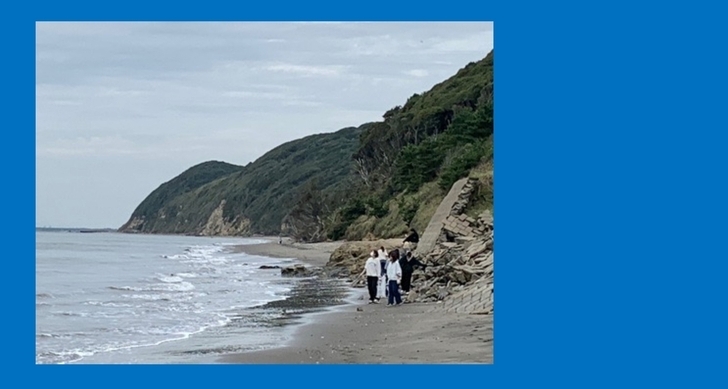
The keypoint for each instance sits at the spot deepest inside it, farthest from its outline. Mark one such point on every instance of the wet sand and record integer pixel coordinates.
(367, 333)
(385, 335)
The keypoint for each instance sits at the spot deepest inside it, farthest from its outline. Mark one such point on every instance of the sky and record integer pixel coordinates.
(123, 107)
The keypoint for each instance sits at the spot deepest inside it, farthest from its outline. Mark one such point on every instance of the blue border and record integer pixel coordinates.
(610, 196)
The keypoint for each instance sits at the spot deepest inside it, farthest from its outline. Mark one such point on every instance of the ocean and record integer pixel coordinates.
(132, 298)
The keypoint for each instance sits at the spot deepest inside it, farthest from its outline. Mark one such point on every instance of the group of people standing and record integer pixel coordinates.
(387, 271)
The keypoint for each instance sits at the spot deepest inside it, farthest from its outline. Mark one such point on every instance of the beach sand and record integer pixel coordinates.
(314, 254)
(372, 333)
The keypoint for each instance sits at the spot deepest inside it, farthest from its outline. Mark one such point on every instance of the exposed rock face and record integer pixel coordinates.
(460, 271)
(216, 224)
(433, 232)
(133, 225)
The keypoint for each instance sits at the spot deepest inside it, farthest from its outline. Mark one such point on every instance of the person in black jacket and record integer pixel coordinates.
(408, 263)
(410, 242)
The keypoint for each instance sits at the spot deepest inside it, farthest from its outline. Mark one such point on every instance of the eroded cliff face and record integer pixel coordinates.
(133, 225)
(217, 226)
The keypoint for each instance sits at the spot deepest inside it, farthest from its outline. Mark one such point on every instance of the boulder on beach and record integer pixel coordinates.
(296, 271)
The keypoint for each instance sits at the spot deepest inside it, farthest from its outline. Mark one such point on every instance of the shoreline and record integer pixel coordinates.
(356, 332)
(313, 254)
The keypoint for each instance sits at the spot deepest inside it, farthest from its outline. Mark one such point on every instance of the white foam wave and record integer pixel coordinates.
(75, 355)
(183, 286)
(176, 256)
(188, 275)
(107, 304)
(150, 297)
(169, 279)
(126, 288)
(61, 357)
(203, 250)
(248, 242)
(70, 313)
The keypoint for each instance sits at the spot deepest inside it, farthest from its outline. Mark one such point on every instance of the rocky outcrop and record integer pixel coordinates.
(216, 224)
(133, 225)
(461, 264)
(433, 232)
(296, 271)
(471, 184)
(458, 257)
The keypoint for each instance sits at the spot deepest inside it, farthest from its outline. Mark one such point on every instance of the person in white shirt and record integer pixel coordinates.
(382, 253)
(382, 286)
(394, 275)
(374, 271)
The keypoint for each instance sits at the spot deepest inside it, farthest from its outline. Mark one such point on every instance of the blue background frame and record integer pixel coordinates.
(610, 196)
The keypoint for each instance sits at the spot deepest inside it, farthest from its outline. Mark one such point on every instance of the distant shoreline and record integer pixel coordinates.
(81, 230)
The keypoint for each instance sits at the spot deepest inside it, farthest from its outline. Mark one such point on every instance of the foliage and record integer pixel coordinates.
(408, 208)
(466, 158)
(439, 135)
(378, 177)
(264, 191)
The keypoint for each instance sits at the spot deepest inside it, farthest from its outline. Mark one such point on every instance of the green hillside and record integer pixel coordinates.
(256, 197)
(377, 179)
(406, 163)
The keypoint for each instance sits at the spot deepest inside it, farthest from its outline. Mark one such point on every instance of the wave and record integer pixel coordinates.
(70, 313)
(44, 295)
(176, 256)
(61, 357)
(75, 355)
(183, 286)
(246, 242)
(126, 288)
(107, 304)
(168, 279)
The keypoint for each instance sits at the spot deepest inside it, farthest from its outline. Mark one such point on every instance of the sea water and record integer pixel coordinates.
(135, 298)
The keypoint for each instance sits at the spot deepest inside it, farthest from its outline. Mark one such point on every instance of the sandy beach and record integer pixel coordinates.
(372, 333)
(314, 254)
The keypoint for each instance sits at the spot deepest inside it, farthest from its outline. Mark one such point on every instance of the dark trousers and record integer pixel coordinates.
(394, 293)
(372, 285)
(406, 280)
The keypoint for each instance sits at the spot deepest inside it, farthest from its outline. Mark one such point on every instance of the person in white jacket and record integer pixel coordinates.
(374, 271)
(394, 275)
(382, 286)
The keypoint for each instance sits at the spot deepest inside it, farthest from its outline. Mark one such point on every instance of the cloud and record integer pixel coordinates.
(86, 146)
(417, 73)
(150, 99)
(307, 71)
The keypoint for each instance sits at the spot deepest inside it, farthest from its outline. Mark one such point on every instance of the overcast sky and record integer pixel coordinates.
(123, 107)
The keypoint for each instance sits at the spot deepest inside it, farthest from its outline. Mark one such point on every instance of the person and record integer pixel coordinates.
(382, 286)
(374, 272)
(408, 264)
(382, 253)
(394, 275)
(280, 240)
(410, 242)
